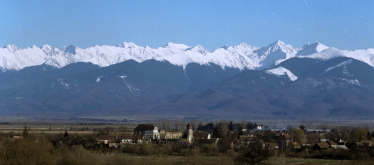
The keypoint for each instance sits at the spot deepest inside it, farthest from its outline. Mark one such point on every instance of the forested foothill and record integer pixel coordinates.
(212, 143)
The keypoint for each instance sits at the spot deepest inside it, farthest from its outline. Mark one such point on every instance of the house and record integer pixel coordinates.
(127, 139)
(317, 130)
(332, 143)
(295, 145)
(341, 141)
(104, 139)
(307, 148)
(252, 141)
(260, 128)
(281, 140)
(147, 131)
(201, 135)
(17, 137)
(248, 139)
(367, 143)
(352, 145)
(324, 140)
(273, 146)
(339, 147)
(278, 129)
(173, 135)
(114, 143)
(131, 140)
(321, 146)
(359, 144)
(234, 143)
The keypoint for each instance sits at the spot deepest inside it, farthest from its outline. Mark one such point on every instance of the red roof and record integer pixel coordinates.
(18, 137)
(332, 142)
(296, 144)
(323, 145)
(367, 143)
(359, 144)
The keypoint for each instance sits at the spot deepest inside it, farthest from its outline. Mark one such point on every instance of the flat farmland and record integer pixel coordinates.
(57, 128)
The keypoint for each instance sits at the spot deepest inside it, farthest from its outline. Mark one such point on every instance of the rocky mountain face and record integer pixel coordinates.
(277, 81)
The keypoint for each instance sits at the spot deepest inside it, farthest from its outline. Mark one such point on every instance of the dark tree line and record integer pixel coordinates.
(210, 127)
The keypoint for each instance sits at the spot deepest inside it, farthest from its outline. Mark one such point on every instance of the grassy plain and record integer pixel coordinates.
(57, 128)
(211, 160)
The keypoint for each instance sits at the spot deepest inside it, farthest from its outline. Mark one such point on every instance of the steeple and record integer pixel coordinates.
(189, 133)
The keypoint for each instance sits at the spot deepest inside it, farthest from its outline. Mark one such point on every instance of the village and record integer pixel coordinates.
(341, 143)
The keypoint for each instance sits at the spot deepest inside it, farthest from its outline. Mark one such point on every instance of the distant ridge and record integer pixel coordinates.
(242, 56)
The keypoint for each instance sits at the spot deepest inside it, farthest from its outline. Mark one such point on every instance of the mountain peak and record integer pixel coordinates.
(242, 56)
(279, 45)
(316, 47)
(279, 42)
(226, 47)
(47, 48)
(11, 47)
(126, 45)
(196, 47)
(70, 49)
(178, 46)
(243, 44)
(199, 48)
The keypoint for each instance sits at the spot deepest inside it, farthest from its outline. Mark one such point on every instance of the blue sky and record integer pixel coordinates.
(212, 24)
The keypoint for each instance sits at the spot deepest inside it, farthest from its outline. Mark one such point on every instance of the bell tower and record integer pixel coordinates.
(189, 132)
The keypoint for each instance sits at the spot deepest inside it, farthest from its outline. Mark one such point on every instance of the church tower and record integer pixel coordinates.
(189, 132)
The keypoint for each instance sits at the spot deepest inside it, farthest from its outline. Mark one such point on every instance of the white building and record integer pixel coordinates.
(130, 140)
(189, 132)
(148, 131)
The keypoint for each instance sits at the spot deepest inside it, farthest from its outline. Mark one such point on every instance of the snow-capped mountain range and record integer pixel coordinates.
(278, 80)
(242, 56)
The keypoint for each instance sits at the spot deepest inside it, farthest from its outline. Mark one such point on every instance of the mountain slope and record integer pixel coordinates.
(118, 85)
(343, 92)
(237, 81)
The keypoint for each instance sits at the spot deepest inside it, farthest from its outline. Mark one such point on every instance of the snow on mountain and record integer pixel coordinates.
(13, 58)
(242, 56)
(312, 48)
(99, 79)
(280, 71)
(275, 53)
(200, 49)
(11, 48)
(353, 82)
(364, 55)
(337, 66)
